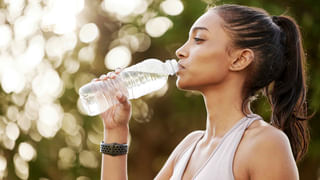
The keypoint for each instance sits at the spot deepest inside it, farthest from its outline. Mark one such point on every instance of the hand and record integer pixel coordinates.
(117, 116)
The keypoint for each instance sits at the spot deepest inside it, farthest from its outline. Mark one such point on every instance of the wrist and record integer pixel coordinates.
(116, 135)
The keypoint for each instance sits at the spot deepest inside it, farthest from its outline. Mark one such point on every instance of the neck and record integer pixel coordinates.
(224, 110)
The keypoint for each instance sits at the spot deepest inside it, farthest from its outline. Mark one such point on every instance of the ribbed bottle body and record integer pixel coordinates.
(141, 83)
(133, 82)
(98, 96)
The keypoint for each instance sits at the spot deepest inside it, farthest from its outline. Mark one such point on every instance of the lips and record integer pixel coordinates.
(180, 66)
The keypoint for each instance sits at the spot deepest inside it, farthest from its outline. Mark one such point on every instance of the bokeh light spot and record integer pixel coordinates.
(140, 111)
(3, 163)
(88, 159)
(34, 54)
(26, 151)
(12, 113)
(24, 27)
(8, 143)
(83, 178)
(88, 33)
(157, 26)
(2, 17)
(15, 8)
(50, 117)
(34, 134)
(47, 85)
(21, 167)
(54, 47)
(130, 41)
(12, 80)
(87, 54)
(69, 41)
(172, 7)
(121, 7)
(144, 42)
(141, 7)
(69, 124)
(74, 141)
(71, 65)
(5, 35)
(19, 99)
(67, 158)
(18, 47)
(94, 138)
(24, 122)
(12, 131)
(60, 16)
(118, 57)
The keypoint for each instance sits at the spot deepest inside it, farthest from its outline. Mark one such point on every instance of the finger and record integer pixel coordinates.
(94, 79)
(123, 100)
(103, 77)
(118, 70)
(109, 74)
(112, 75)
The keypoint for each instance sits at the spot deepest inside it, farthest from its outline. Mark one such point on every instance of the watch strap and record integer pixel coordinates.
(113, 149)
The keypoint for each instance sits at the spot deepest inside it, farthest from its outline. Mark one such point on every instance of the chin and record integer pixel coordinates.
(180, 84)
(183, 85)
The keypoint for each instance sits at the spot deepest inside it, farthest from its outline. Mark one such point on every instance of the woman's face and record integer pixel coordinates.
(203, 58)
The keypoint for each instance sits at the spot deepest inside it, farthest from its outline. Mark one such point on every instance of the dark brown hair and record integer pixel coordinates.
(278, 68)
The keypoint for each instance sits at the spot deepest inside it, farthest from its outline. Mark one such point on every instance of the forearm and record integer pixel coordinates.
(115, 167)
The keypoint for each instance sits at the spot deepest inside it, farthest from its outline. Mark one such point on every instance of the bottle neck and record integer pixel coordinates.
(172, 66)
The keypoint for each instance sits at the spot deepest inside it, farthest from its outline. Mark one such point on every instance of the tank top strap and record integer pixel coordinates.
(250, 118)
(182, 162)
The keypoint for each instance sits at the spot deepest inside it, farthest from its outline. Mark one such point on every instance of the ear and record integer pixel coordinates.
(243, 59)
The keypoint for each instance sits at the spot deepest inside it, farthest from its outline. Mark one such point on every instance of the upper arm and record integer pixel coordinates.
(271, 157)
(167, 170)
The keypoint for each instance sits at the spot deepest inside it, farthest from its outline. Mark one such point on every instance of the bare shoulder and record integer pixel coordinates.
(167, 169)
(268, 150)
(262, 134)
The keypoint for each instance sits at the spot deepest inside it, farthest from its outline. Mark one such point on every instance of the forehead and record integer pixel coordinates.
(210, 20)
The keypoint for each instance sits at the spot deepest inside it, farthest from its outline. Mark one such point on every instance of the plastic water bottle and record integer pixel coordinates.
(134, 82)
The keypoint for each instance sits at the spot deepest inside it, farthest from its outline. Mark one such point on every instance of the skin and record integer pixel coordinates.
(206, 66)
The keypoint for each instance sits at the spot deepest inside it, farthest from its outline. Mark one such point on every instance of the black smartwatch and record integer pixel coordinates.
(113, 149)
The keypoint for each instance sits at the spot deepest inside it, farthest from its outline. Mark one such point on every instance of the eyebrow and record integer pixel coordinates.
(199, 28)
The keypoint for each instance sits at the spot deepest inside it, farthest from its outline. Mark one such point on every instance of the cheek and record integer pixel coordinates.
(211, 75)
(214, 67)
(208, 65)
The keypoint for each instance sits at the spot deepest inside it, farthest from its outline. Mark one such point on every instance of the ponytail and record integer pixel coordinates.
(288, 94)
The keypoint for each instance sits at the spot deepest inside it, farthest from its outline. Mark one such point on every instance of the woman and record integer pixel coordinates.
(232, 52)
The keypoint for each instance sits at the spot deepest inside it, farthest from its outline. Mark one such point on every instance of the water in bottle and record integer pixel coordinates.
(134, 82)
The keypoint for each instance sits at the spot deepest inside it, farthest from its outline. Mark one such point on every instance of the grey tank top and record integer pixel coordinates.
(219, 164)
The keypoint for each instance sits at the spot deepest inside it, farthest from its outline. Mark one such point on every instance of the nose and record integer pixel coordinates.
(181, 53)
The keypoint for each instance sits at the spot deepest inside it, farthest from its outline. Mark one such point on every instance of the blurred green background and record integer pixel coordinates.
(50, 48)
